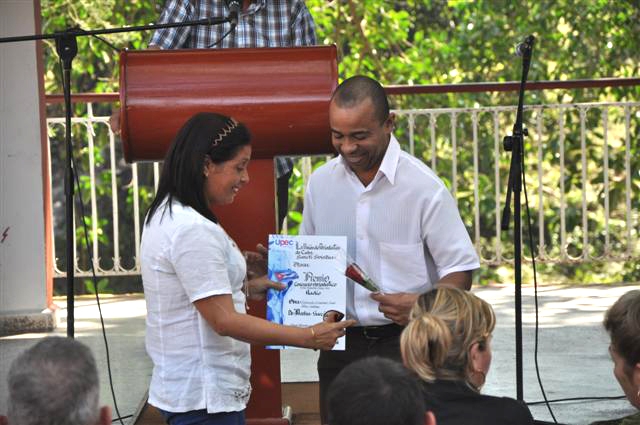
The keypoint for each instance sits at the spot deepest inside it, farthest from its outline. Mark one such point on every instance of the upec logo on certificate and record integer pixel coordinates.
(312, 269)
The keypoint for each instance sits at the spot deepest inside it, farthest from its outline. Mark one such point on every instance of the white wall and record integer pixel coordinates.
(22, 253)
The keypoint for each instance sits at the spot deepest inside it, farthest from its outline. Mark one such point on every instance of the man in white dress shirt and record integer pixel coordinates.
(402, 224)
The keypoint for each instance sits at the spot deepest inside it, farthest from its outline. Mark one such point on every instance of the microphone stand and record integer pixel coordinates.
(515, 145)
(67, 48)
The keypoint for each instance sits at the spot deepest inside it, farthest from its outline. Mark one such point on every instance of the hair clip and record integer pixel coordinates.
(225, 131)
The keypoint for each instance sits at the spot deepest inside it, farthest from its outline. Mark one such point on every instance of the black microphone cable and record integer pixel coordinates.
(76, 179)
(561, 400)
(234, 6)
(233, 27)
(94, 280)
(535, 287)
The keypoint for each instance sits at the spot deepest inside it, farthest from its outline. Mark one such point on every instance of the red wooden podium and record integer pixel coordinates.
(281, 94)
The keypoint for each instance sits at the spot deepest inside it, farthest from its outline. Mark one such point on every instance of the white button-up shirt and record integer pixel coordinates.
(185, 258)
(404, 229)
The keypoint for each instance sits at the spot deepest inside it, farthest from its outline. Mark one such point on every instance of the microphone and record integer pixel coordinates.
(234, 10)
(525, 47)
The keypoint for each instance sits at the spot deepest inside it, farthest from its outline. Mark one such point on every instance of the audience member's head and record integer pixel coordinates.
(55, 382)
(622, 321)
(449, 337)
(377, 391)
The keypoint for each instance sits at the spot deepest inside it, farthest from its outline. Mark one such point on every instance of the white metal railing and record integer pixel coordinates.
(92, 125)
(539, 135)
(579, 177)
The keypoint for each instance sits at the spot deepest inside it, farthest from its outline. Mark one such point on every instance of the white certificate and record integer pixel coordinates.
(312, 268)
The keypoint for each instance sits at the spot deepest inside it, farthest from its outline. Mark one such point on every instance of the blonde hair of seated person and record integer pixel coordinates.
(450, 329)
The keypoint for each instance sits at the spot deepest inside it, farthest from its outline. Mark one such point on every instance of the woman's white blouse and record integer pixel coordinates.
(185, 258)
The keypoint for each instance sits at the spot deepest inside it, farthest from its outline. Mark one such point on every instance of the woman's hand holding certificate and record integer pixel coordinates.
(258, 283)
(256, 261)
(257, 287)
(324, 334)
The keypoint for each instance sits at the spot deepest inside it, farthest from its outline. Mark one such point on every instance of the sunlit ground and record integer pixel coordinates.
(573, 356)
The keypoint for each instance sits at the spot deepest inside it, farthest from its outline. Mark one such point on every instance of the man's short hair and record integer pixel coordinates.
(376, 391)
(54, 382)
(355, 90)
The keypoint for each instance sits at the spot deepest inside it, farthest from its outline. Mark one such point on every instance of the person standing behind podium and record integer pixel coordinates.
(263, 23)
(402, 224)
(195, 282)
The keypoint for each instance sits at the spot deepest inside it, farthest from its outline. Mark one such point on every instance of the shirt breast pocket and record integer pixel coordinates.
(403, 268)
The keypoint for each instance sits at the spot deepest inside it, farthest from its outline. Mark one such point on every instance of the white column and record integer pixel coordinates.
(22, 227)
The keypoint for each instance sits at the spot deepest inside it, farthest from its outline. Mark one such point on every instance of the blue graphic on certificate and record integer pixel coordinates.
(312, 269)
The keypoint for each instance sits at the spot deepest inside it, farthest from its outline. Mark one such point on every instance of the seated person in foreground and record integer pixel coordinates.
(377, 391)
(622, 321)
(55, 382)
(448, 344)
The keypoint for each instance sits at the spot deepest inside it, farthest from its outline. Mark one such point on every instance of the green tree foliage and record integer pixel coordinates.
(447, 42)
(438, 41)
(402, 42)
(95, 68)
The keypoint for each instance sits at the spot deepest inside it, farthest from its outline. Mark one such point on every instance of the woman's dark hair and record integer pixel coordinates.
(205, 134)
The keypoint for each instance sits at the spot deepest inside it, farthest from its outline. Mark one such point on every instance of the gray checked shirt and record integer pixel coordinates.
(266, 23)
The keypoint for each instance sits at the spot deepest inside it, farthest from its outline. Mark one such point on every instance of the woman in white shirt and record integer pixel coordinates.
(194, 278)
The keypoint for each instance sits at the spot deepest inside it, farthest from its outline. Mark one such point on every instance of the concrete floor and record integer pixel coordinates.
(573, 356)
